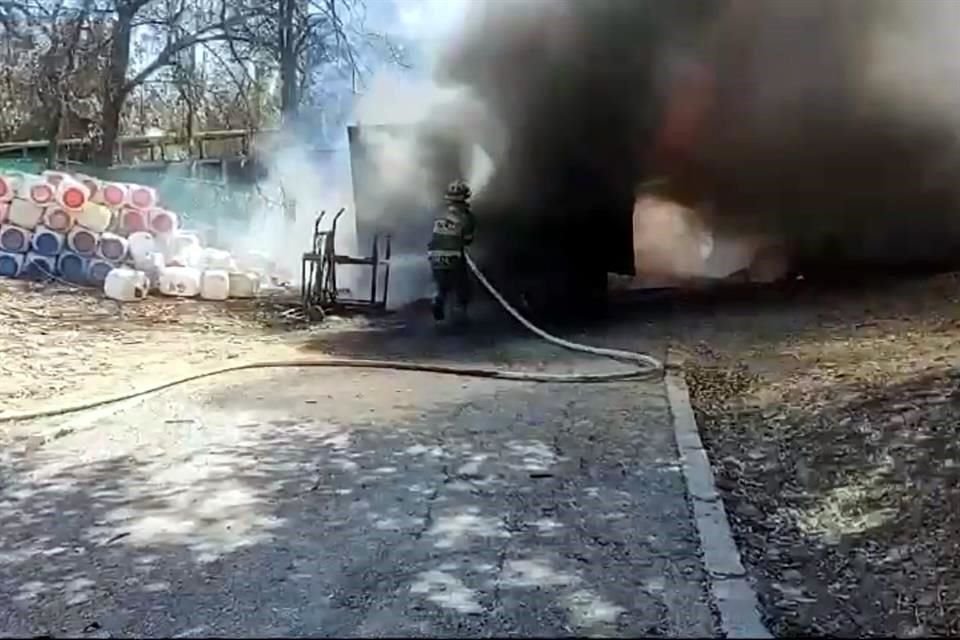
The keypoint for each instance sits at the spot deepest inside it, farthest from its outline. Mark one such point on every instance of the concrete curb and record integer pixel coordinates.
(730, 589)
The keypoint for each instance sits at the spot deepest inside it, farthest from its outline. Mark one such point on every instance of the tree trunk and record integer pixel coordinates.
(53, 134)
(288, 61)
(114, 89)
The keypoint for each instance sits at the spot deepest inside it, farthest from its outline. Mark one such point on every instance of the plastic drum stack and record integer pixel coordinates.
(108, 234)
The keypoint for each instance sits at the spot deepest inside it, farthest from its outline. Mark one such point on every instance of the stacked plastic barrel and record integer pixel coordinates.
(108, 234)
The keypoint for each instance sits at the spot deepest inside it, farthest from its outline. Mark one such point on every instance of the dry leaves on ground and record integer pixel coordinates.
(832, 425)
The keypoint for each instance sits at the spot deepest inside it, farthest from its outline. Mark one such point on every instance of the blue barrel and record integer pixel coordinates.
(11, 264)
(47, 242)
(13, 239)
(39, 267)
(72, 267)
(97, 271)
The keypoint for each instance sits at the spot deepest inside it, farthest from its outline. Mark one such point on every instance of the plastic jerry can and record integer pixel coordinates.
(112, 194)
(97, 270)
(47, 242)
(39, 267)
(215, 284)
(163, 221)
(218, 259)
(92, 185)
(11, 264)
(82, 241)
(126, 285)
(244, 285)
(141, 245)
(38, 191)
(24, 180)
(57, 219)
(179, 281)
(112, 247)
(133, 220)
(142, 197)
(14, 239)
(72, 267)
(71, 195)
(24, 213)
(8, 188)
(94, 216)
(54, 177)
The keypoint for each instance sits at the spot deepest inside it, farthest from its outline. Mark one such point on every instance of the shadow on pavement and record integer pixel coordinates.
(432, 520)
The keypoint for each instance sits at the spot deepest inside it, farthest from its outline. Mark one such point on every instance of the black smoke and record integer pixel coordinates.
(831, 125)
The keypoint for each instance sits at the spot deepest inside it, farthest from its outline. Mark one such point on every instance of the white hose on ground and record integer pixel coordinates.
(644, 366)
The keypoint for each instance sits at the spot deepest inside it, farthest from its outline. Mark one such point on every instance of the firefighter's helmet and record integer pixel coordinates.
(457, 191)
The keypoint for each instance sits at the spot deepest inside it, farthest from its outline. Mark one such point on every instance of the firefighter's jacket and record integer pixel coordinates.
(452, 232)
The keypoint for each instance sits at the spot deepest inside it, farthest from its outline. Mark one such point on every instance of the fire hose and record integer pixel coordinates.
(644, 366)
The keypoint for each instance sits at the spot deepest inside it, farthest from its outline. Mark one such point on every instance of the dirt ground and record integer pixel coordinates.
(63, 344)
(832, 421)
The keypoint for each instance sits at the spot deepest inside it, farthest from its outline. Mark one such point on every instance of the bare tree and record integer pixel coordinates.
(185, 25)
(299, 37)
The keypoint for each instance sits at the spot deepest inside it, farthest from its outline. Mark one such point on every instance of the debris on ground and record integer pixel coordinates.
(831, 420)
(63, 343)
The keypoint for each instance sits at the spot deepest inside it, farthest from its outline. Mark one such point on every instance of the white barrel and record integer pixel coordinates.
(179, 281)
(126, 285)
(11, 264)
(92, 185)
(215, 284)
(8, 188)
(57, 218)
(14, 239)
(83, 241)
(23, 182)
(112, 194)
(151, 265)
(95, 217)
(182, 249)
(133, 220)
(72, 267)
(141, 245)
(39, 266)
(162, 221)
(244, 284)
(24, 213)
(71, 194)
(112, 247)
(98, 270)
(47, 242)
(38, 191)
(55, 177)
(141, 197)
(4, 212)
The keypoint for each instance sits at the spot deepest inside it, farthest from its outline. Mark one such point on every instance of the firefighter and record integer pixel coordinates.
(452, 233)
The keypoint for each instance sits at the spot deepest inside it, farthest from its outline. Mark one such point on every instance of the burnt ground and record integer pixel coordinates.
(830, 415)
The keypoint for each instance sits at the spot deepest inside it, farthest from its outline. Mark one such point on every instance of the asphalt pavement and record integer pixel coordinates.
(344, 503)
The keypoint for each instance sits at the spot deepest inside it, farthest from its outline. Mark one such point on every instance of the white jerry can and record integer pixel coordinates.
(244, 284)
(24, 214)
(126, 285)
(95, 217)
(179, 281)
(215, 284)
